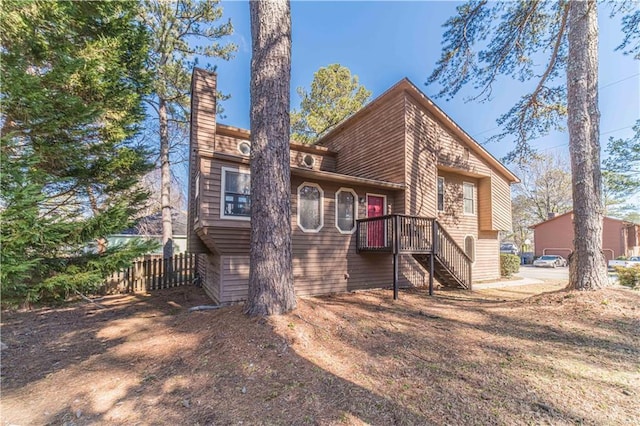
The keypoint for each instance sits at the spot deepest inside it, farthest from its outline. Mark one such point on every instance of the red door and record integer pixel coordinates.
(375, 229)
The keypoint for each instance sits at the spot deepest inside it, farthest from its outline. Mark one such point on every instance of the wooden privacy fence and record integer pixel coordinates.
(153, 274)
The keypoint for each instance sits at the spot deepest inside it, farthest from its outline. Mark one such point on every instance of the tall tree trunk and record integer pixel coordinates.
(270, 277)
(588, 271)
(165, 181)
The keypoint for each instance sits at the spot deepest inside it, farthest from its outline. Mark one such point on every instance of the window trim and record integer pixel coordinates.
(196, 197)
(441, 178)
(475, 255)
(315, 185)
(248, 143)
(223, 177)
(355, 210)
(474, 201)
(308, 164)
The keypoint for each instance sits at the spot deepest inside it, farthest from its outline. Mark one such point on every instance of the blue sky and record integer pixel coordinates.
(382, 42)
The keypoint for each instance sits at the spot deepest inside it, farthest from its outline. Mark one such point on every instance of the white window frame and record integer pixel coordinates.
(464, 243)
(473, 199)
(196, 197)
(355, 210)
(315, 185)
(384, 203)
(223, 177)
(441, 178)
(240, 150)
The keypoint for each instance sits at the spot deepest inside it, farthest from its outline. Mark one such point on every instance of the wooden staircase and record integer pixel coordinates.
(423, 238)
(443, 274)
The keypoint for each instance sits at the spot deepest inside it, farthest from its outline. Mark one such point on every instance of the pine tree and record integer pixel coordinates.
(335, 95)
(181, 31)
(73, 81)
(515, 37)
(271, 270)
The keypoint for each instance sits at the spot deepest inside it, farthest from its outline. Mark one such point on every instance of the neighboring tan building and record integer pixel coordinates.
(369, 195)
(150, 228)
(555, 236)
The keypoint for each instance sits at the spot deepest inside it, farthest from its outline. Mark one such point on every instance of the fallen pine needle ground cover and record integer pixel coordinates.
(502, 356)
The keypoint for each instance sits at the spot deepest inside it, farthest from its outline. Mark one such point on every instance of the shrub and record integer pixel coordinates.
(629, 277)
(509, 264)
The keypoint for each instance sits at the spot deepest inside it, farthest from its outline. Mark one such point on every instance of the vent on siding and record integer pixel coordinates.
(308, 161)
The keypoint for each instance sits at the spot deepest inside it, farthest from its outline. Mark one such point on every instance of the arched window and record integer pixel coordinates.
(310, 215)
(470, 247)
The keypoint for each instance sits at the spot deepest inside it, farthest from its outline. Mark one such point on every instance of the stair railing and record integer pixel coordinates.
(452, 256)
(399, 234)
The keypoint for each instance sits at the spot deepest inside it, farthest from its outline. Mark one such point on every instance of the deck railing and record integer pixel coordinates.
(404, 234)
(375, 234)
(395, 233)
(414, 234)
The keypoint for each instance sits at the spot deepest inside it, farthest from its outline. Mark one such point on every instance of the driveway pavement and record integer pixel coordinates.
(529, 275)
(544, 274)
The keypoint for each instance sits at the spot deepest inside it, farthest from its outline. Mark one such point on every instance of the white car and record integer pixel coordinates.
(550, 261)
(631, 262)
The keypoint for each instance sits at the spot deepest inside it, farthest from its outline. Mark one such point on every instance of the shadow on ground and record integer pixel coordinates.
(356, 358)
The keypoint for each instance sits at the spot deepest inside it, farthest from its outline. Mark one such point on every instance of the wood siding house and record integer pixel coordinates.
(398, 189)
(555, 236)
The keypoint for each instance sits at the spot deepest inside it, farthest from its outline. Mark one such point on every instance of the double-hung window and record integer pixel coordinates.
(236, 197)
(469, 197)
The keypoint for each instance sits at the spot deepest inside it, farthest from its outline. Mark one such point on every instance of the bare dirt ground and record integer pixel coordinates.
(499, 357)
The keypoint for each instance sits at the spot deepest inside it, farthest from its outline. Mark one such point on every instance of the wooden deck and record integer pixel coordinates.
(424, 238)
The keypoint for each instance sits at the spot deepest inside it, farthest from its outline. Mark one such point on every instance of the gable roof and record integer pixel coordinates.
(551, 219)
(406, 85)
(152, 224)
(626, 222)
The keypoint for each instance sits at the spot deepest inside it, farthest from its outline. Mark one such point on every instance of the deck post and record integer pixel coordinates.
(434, 249)
(395, 276)
(396, 238)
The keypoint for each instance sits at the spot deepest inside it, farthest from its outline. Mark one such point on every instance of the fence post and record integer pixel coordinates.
(191, 264)
(175, 271)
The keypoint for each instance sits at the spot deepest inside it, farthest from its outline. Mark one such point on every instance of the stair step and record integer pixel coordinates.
(441, 272)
